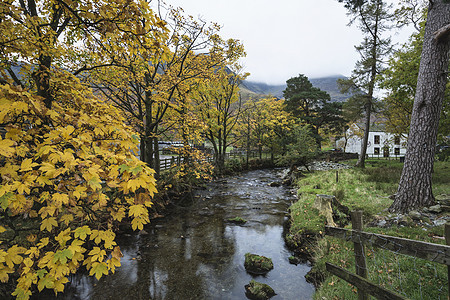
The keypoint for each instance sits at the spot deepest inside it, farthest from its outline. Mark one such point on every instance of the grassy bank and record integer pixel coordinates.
(369, 190)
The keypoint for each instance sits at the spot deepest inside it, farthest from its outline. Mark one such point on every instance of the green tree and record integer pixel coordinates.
(302, 148)
(373, 19)
(311, 105)
(400, 79)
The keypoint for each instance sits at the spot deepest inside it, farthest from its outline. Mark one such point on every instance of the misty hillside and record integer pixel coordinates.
(258, 89)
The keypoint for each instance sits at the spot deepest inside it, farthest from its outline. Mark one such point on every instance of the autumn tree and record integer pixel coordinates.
(264, 124)
(218, 105)
(373, 19)
(279, 125)
(311, 105)
(68, 172)
(415, 187)
(148, 85)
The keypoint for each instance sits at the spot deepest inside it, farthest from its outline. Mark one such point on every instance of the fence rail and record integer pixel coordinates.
(432, 252)
(167, 163)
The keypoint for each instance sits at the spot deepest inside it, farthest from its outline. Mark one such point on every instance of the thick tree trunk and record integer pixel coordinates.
(414, 189)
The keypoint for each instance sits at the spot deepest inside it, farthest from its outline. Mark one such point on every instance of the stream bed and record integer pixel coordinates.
(195, 253)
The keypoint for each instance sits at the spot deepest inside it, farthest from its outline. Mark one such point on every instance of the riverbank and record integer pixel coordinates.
(369, 190)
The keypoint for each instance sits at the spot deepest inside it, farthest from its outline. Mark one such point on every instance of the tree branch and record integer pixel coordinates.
(442, 34)
(14, 77)
(85, 68)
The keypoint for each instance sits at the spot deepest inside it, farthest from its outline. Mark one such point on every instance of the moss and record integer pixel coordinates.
(258, 291)
(256, 264)
(237, 220)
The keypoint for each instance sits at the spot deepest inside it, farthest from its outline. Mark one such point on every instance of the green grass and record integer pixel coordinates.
(394, 272)
(368, 190)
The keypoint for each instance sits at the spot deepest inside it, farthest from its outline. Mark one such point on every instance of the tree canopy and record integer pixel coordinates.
(312, 106)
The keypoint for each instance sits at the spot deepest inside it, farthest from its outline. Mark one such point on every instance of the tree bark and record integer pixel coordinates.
(415, 187)
(362, 157)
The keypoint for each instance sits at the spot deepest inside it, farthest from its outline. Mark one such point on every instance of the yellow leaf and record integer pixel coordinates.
(113, 263)
(43, 243)
(60, 199)
(82, 232)
(134, 184)
(27, 165)
(65, 132)
(12, 257)
(137, 210)
(98, 269)
(63, 237)
(66, 219)
(48, 224)
(75, 247)
(28, 262)
(32, 252)
(43, 180)
(137, 223)
(59, 285)
(6, 147)
(31, 238)
(118, 215)
(80, 192)
(46, 282)
(47, 211)
(4, 271)
(48, 168)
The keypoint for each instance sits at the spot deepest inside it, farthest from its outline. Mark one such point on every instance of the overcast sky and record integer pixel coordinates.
(284, 38)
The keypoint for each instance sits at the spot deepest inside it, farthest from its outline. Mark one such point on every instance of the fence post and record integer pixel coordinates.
(447, 241)
(360, 257)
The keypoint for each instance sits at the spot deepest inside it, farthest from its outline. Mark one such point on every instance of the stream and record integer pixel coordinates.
(195, 253)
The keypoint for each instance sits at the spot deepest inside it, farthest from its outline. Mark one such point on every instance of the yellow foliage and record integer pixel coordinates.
(60, 184)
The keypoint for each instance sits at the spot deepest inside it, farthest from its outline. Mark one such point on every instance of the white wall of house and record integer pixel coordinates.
(381, 144)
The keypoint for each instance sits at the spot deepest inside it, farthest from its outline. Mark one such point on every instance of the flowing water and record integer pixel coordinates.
(194, 253)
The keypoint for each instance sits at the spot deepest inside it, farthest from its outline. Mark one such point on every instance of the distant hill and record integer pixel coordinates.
(251, 89)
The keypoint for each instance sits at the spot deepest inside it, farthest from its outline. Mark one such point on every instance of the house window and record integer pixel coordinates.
(376, 140)
(396, 141)
(397, 151)
(376, 151)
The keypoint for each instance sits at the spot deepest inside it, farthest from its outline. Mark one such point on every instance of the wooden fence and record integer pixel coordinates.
(167, 163)
(428, 251)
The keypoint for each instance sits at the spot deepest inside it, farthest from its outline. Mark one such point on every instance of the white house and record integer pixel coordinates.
(380, 144)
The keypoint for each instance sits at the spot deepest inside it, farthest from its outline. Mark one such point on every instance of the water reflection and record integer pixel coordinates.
(196, 254)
